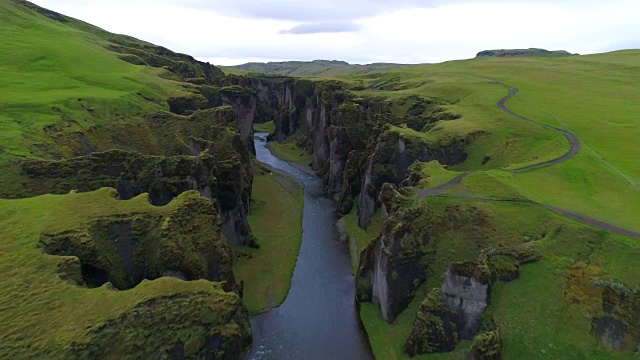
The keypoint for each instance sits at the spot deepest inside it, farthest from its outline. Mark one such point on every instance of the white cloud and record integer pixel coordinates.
(232, 32)
(322, 27)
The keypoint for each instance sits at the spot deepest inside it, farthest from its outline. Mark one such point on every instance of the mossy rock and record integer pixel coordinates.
(187, 104)
(205, 325)
(487, 346)
(185, 243)
(434, 329)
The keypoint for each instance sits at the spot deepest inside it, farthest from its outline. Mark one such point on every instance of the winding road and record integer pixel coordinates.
(575, 148)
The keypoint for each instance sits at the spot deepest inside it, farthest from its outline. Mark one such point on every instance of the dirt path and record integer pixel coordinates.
(575, 148)
(573, 140)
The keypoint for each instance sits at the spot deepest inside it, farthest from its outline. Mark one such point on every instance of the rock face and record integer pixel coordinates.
(456, 309)
(468, 296)
(204, 325)
(164, 178)
(244, 102)
(390, 162)
(164, 318)
(398, 262)
(186, 244)
(330, 120)
(448, 315)
(392, 267)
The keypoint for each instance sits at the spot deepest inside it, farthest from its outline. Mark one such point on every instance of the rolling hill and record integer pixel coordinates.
(316, 68)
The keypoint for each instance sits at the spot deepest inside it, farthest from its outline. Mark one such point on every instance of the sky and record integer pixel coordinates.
(231, 32)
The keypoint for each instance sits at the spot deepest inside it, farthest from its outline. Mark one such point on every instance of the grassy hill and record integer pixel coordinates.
(316, 68)
(84, 270)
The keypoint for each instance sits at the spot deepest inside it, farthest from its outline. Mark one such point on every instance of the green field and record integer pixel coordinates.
(289, 151)
(590, 96)
(267, 272)
(267, 127)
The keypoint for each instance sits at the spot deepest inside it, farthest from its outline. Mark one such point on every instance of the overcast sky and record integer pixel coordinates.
(228, 32)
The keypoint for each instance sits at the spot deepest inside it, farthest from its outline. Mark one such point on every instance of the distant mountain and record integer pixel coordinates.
(314, 68)
(531, 52)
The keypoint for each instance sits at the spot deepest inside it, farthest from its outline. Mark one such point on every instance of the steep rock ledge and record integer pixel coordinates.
(186, 243)
(394, 265)
(244, 102)
(164, 178)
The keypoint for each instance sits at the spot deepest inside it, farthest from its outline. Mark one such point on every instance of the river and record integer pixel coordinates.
(318, 319)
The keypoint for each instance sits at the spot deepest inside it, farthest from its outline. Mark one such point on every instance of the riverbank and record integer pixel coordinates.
(266, 272)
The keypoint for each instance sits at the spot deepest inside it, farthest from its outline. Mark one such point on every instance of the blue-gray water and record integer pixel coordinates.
(318, 320)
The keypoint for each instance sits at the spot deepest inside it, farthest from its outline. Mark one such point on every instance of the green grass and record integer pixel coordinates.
(435, 175)
(544, 289)
(492, 184)
(359, 238)
(59, 86)
(267, 274)
(289, 151)
(268, 127)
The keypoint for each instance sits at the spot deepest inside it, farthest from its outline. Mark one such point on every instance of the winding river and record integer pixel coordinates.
(318, 319)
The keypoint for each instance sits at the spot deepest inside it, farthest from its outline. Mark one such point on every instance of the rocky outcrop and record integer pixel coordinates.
(163, 178)
(186, 243)
(434, 329)
(616, 326)
(461, 301)
(395, 152)
(487, 346)
(439, 328)
(211, 324)
(393, 266)
(468, 296)
(183, 67)
(531, 52)
(244, 102)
